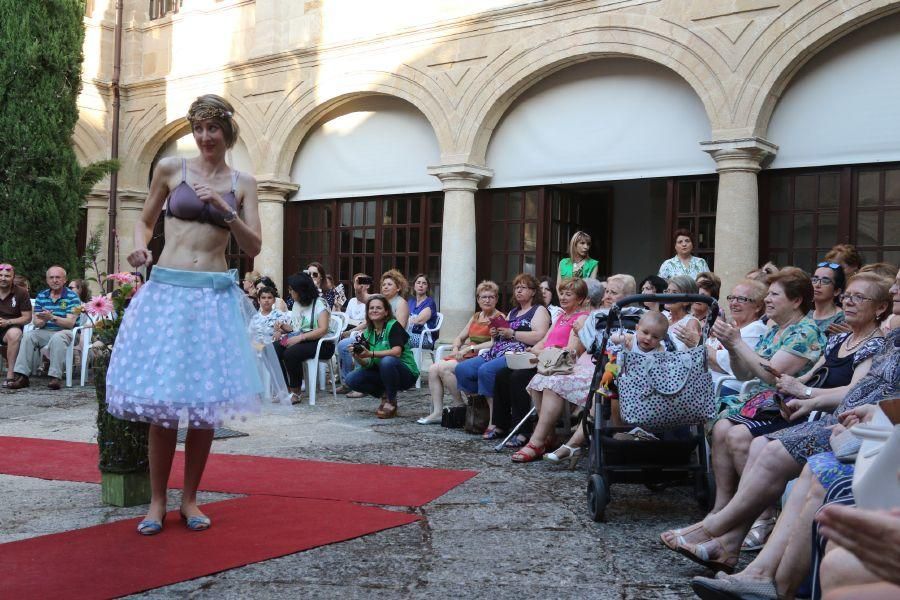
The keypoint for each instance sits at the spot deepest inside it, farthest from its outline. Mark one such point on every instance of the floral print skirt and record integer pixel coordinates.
(573, 388)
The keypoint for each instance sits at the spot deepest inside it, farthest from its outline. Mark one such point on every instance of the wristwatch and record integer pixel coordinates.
(808, 392)
(472, 348)
(231, 217)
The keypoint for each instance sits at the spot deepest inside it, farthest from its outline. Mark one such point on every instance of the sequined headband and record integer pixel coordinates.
(202, 112)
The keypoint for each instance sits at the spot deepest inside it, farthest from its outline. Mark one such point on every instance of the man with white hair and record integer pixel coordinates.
(54, 318)
(15, 313)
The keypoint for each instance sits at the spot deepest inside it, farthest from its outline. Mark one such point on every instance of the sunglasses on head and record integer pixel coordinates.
(830, 265)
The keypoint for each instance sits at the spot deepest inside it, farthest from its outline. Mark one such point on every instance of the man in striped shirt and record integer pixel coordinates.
(54, 318)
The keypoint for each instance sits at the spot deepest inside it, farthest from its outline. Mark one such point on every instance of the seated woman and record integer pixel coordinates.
(776, 459)
(828, 285)
(475, 336)
(550, 299)
(572, 293)
(512, 399)
(386, 363)
(334, 294)
(653, 284)
(529, 322)
(394, 287)
(309, 322)
(784, 562)
(422, 311)
(790, 347)
(705, 287)
(746, 308)
(685, 328)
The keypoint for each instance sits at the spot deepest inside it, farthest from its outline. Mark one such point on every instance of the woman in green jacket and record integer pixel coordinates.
(385, 362)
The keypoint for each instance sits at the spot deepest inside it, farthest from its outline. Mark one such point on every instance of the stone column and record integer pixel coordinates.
(272, 196)
(131, 205)
(460, 182)
(737, 213)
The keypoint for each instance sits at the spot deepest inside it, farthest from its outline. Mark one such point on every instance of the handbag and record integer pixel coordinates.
(478, 415)
(453, 417)
(555, 361)
(761, 406)
(665, 389)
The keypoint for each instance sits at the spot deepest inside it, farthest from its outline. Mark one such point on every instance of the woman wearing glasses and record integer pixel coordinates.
(746, 307)
(828, 285)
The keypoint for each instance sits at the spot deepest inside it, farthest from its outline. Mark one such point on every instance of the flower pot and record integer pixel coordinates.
(123, 449)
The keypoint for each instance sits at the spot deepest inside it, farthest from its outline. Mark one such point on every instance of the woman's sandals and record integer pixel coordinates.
(758, 534)
(701, 552)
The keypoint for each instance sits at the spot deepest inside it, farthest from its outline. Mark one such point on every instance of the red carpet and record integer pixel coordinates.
(242, 474)
(113, 560)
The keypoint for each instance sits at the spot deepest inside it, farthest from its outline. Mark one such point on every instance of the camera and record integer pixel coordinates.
(364, 280)
(361, 345)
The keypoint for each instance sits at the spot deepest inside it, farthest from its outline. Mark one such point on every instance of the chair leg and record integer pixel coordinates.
(312, 373)
(417, 356)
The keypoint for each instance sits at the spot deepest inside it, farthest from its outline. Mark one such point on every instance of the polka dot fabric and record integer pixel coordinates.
(184, 354)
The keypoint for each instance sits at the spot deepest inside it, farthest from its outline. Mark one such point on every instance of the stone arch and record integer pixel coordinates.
(781, 55)
(89, 143)
(301, 113)
(644, 38)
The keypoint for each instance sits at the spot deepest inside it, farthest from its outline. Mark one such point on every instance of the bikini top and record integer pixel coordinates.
(184, 204)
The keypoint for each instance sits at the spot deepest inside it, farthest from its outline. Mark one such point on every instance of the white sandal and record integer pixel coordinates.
(571, 453)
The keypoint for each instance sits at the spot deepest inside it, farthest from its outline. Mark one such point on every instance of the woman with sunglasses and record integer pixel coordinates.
(828, 285)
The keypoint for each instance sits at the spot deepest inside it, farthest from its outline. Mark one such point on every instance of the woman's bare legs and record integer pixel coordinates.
(758, 489)
(841, 568)
(786, 556)
(196, 451)
(161, 449)
(722, 464)
(550, 406)
(436, 387)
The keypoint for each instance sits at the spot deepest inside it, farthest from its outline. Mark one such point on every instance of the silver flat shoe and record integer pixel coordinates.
(732, 588)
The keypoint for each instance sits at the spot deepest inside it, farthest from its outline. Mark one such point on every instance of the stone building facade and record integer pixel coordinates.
(469, 139)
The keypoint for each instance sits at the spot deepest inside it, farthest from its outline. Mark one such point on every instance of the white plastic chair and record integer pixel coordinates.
(87, 332)
(745, 385)
(311, 367)
(419, 351)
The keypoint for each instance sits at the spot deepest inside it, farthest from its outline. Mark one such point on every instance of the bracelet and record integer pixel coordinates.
(232, 216)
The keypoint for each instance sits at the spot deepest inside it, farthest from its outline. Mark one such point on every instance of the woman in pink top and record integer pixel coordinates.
(572, 294)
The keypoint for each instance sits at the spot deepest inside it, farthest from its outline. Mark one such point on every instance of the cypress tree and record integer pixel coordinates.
(40, 179)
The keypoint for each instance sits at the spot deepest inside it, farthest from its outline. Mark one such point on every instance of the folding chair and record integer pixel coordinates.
(419, 351)
(311, 367)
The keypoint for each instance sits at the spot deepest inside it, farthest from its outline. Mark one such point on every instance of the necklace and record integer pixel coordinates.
(851, 347)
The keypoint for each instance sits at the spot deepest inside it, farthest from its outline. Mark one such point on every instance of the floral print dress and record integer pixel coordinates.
(803, 339)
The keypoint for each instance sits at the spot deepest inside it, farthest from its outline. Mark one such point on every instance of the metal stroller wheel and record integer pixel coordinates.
(597, 497)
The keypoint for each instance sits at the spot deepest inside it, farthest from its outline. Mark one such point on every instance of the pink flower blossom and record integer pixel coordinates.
(122, 278)
(99, 306)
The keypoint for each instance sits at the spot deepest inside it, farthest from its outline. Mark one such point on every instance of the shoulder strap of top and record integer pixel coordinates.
(234, 178)
(183, 170)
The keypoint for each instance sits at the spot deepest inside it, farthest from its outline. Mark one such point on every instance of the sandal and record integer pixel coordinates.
(516, 441)
(702, 554)
(529, 453)
(672, 538)
(6, 382)
(492, 433)
(758, 534)
(386, 411)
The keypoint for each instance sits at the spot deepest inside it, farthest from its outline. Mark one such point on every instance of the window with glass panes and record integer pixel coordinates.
(509, 232)
(801, 216)
(368, 235)
(565, 217)
(694, 208)
(876, 223)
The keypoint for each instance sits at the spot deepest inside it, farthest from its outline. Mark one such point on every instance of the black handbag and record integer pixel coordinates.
(453, 417)
(478, 415)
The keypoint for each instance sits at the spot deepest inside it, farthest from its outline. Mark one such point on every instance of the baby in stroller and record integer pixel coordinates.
(649, 335)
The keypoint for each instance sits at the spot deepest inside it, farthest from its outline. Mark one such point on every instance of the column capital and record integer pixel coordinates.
(275, 190)
(131, 199)
(741, 154)
(97, 199)
(460, 176)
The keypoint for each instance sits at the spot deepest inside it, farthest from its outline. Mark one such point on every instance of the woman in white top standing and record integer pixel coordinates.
(684, 262)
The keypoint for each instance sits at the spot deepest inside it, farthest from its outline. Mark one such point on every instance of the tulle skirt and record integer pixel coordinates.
(185, 354)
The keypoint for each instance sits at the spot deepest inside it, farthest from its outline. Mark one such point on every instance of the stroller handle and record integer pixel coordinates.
(665, 299)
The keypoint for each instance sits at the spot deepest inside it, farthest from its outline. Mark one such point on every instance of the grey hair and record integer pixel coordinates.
(595, 292)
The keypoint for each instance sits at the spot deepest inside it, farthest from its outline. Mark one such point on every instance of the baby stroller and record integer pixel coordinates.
(668, 394)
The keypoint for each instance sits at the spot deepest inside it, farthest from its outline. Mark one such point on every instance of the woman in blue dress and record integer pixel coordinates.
(184, 352)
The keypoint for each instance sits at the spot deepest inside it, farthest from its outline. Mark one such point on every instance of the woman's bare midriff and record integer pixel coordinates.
(194, 246)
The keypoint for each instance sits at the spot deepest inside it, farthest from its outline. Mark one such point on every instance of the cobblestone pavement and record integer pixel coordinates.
(513, 531)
